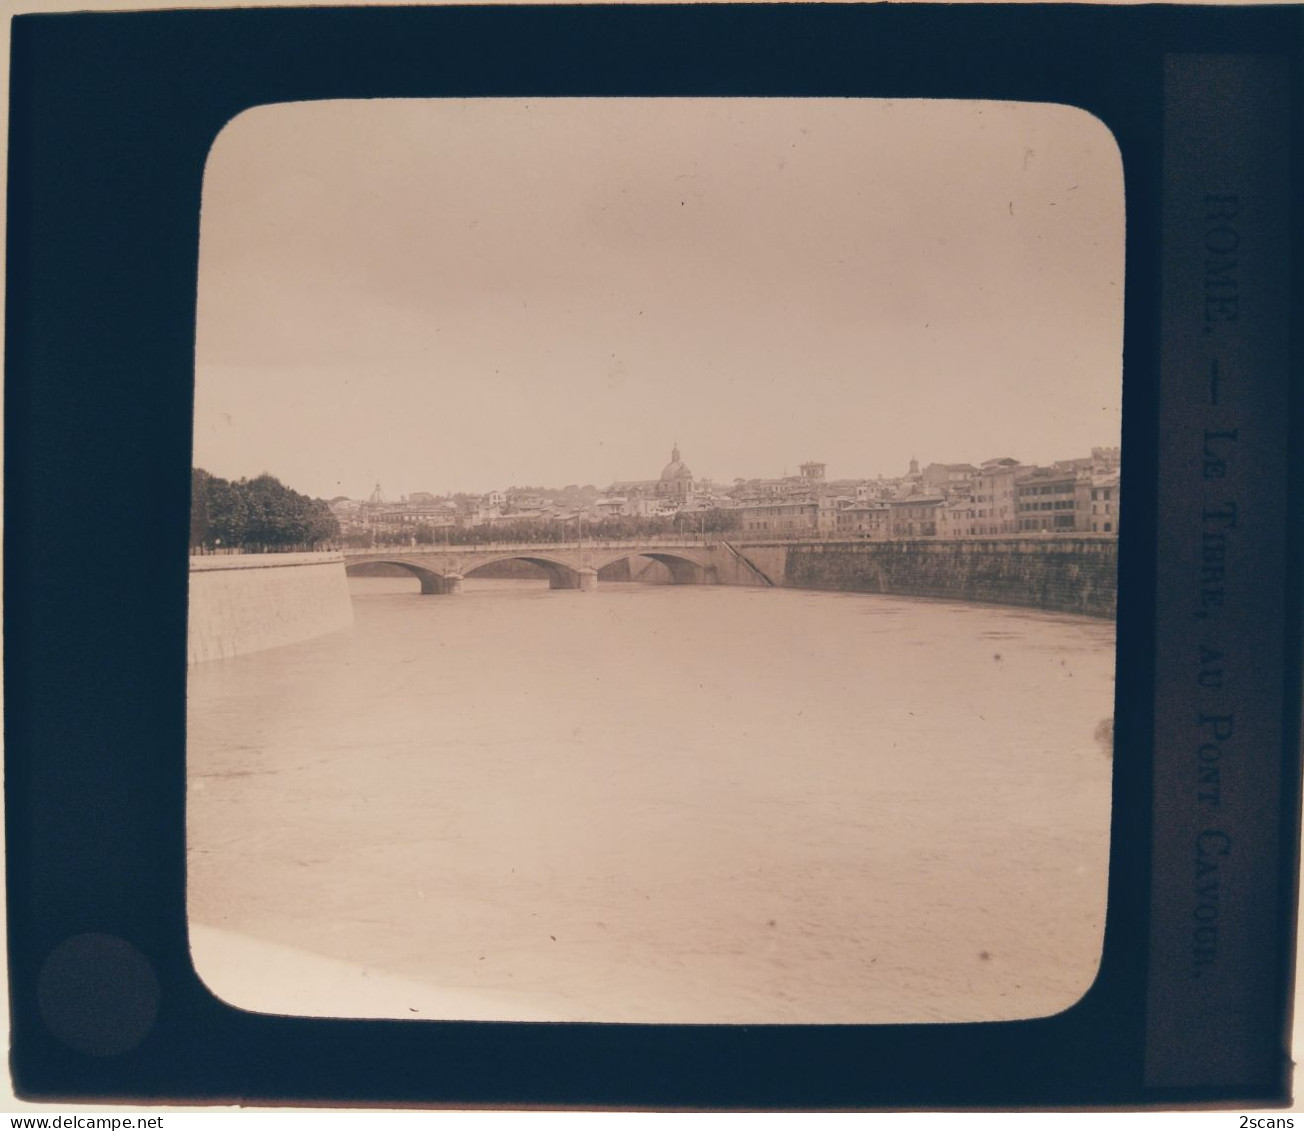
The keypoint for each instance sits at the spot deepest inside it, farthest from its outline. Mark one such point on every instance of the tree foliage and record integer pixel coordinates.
(255, 515)
(559, 529)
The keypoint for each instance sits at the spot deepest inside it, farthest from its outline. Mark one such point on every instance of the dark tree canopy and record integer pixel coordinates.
(255, 515)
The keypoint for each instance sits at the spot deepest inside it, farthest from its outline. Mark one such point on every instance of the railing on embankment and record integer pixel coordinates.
(250, 602)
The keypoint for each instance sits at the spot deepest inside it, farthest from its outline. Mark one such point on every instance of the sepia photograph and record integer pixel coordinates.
(569, 557)
(654, 560)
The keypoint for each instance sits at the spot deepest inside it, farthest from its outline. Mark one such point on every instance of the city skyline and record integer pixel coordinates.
(465, 296)
(789, 472)
(792, 472)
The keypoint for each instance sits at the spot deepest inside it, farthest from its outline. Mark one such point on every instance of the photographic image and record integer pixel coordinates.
(654, 560)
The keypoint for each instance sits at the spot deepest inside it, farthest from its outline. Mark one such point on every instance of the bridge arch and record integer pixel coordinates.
(431, 581)
(684, 569)
(441, 570)
(561, 575)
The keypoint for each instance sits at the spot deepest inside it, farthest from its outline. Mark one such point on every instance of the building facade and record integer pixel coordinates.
(1104, 506)
(1048, 500)
(780, 518)
(915, 516)
(994, 498)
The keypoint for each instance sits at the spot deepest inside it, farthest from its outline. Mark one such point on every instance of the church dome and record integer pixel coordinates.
(676, 468)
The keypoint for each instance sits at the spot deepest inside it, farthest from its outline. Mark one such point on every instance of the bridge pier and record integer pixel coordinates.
(585, 579)
(432, 583)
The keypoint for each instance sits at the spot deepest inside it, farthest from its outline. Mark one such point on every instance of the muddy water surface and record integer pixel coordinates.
(657, 803)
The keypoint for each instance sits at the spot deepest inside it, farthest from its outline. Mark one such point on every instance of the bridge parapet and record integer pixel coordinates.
(669, 541)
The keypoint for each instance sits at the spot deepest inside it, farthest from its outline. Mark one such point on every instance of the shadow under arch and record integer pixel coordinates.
(431, 582)
(560, 575)
(683, 570)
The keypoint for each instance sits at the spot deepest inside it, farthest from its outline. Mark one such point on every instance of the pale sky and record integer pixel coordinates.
(460, 295)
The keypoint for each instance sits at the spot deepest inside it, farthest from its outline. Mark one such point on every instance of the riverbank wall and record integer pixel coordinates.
(1062, 574)
(243, 603)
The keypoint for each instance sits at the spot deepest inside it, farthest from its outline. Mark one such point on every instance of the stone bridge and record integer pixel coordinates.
(568, 565)
(1070, 573)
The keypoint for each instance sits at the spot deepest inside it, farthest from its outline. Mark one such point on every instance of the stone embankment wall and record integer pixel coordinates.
(737, 563)
(249, 602)
(1069, 575)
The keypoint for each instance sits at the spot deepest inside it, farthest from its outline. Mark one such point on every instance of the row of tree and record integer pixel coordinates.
(255, 515)
(715, 521)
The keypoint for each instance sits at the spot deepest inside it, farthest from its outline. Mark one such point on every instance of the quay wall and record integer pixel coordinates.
(1061, 574)
(250, 602)
(753, 564)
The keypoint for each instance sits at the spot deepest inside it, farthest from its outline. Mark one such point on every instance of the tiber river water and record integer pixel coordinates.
(655, 803)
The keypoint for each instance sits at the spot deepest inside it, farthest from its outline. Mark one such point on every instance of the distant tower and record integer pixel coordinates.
(914, 466)
(377, 498)
(812, 470)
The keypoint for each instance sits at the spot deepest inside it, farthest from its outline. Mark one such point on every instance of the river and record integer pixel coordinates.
(655, 803)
